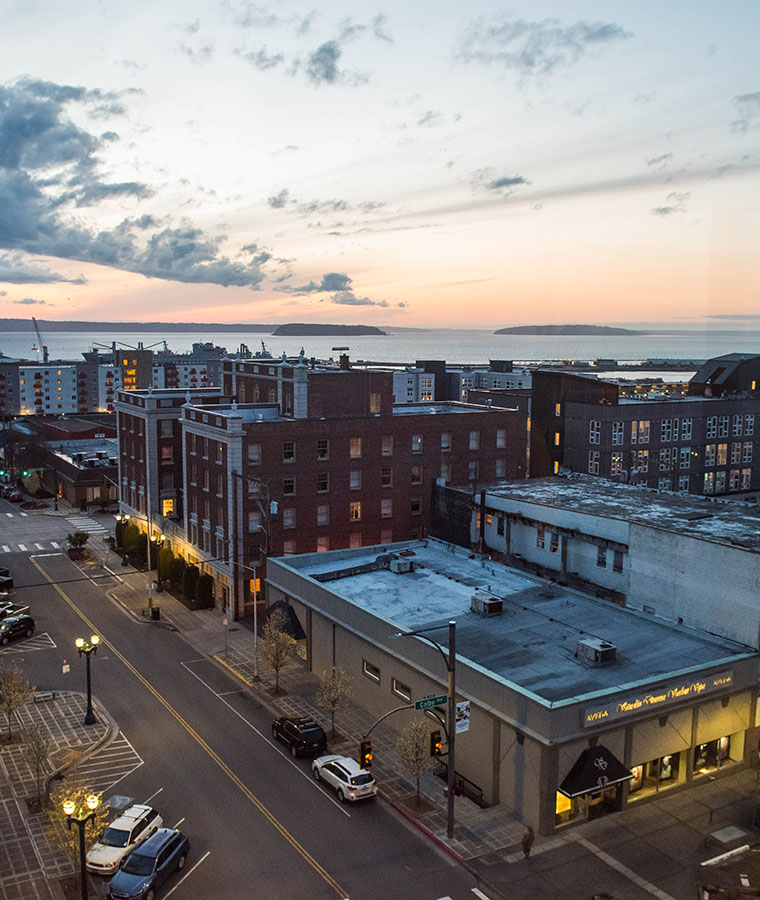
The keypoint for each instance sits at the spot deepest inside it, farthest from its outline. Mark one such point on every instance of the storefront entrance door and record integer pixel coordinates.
(604, 802)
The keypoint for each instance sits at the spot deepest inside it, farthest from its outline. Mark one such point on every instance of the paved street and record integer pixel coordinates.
(192, 736)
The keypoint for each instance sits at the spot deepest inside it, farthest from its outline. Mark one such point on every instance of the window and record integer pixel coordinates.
(736, 452)
(664, 483)
(617, 561)
(446, 440)
(473, 470)
(289, 486)
(374, 403)
(709, 482)
(355, 480)
(709, 454)
(288, 518)
(557, 409)
(747, 452)
(501, 437)
(500, 469)
(553, 542)
(323, 449)
(601, 557)
(167, 454)
(666, 430)
(593, 462)
(254, 454)
(355, 448)
(723, 426)
(683, 483)
(685, 429)
(323, 482)
(323, 543)
(749, 425)
(556, 439)
(206, 481)
(289, 547)
(666, 458)
(386, 536)
(193, 474)
(165, 429)
(640, 460)
(616, 463)
(219, 451)
(474, 440)
(205, 443)
(738, 422)
(323, 515)
(289, 452)
(685, 458)
(386, 508)
(712, 427)
(416, 474)
(722, 454)
(446, 472)
(594, 431)
(355, 511)
(720, 482)
(644, 431)
(733, 480)
(386, 445)
(416, 443)
(386, 476)
(401, 690)
(416, 506)
(371, 671)
(540, 537)
(499, 525)
(746, 479)
(355, 539)
(219, 484)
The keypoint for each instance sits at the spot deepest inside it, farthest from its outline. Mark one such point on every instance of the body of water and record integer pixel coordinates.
(453, 346)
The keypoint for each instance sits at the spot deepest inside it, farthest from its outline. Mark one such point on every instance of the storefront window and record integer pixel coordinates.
(568, 810)
(653, 776)
(712, 755)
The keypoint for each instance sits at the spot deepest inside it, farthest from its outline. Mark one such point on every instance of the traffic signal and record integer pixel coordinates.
(365, 753)
(25, 472)
(436, 745)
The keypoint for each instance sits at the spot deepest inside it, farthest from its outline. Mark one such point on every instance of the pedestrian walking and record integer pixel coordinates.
(527, 841)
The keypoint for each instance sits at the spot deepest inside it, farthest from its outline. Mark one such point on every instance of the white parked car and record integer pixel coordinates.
(126, 832)
(345, 775)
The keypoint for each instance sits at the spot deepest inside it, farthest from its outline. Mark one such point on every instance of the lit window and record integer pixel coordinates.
(416, 443)
(556, 439)
(323, 543)
(355, 511)
(355, 539)
(355, 448)
(557, 409)
(374, 403)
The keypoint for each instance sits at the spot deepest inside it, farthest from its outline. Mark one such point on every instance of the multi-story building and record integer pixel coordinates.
(702, 444)
(413, 385)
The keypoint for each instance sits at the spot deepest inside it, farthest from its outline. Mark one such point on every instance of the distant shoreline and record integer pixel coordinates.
(570, 330)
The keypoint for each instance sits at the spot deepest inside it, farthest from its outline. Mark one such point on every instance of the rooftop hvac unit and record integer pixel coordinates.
(485, 605)
(400, 566)
(596, 651)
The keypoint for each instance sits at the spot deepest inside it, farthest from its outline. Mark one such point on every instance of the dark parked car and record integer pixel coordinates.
(149, 865)
(303, 735)
(16, 627)
(6, 583)
(16, 497)
(7, 608)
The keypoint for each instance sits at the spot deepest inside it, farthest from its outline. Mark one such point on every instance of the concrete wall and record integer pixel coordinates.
(679, 576)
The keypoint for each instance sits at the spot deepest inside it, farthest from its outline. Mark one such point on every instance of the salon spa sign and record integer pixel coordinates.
(657, 698)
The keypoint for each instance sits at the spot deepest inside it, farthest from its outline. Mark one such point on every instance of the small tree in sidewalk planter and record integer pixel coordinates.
(15, 693)
(413, 747)
(56, 828)
(277, 646)
(165, 560)
(204, 591)
(334, 692)
(37, 750)
(190, 581)
(76, 542)
(177, 572)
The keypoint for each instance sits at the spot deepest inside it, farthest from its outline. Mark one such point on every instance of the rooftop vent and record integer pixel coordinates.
(596, 651)
(401, 566)
(484, 604)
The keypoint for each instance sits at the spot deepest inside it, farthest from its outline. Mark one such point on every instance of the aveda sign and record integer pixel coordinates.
(657, 697)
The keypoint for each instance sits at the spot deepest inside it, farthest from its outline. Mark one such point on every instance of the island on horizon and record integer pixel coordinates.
(302, 329)
(568, 329)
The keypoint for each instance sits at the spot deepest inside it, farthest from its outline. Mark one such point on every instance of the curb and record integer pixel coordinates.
(158, 623)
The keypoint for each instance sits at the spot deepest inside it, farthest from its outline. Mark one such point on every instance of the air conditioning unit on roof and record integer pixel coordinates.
(596, 651)
(401, 566)
(486, 605)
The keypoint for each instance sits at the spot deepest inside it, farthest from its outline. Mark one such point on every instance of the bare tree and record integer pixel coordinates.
(39, 746)
(333, 692)
(15, 692)
(277, 646)
(413, 747)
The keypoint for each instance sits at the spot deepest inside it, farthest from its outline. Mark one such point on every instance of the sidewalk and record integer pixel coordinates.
(653, 850)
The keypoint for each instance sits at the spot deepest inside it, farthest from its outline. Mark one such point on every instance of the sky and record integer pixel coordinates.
(418, 164)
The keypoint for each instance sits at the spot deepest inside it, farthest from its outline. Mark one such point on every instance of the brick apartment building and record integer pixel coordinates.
(306, 458)
(704, 443)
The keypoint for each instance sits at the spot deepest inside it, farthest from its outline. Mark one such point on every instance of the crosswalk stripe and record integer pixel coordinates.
(6, 548)
(24, 514)
(22, 547)
(106, 768)
(56, 545)
(10, 515)
(39, 546)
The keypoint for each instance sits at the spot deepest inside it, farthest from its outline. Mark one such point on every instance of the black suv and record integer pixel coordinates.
(303, 735)
(15, 627)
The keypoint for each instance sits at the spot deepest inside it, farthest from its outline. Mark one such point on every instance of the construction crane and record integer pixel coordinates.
(43, 347)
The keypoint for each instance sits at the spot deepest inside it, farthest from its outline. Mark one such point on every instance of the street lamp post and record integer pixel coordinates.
(88, 647)
(81, 815)
(158, 540)
(450, 659)
(153, 539)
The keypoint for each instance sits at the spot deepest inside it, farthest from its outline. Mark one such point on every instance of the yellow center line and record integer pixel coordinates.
(202, 743)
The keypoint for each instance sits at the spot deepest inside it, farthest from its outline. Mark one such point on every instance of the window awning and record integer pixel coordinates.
(596, 769)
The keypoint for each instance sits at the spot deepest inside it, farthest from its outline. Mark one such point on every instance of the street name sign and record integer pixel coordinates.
(430, 702)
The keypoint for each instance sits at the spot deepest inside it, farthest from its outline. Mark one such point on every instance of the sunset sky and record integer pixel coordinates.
(425, 163)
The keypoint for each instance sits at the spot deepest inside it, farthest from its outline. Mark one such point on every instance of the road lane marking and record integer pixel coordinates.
(121, 580)
(56, 545)
(23, 514)
(177, 824)
(479, 894)
(189, 872)
(43, 555)
(211, 753)
(22, 547)
(10, 515)
(154, 794)
(6, 548)
(272, 743)
(39, 546)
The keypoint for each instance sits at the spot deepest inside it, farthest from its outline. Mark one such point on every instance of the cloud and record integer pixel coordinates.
(502, 185)
(197, 55)
(3, 293)
(331, 281)
(533, 48)
(378, 29)
(430, 118)
(261, 59)
(29, 301)
(659, 162)
(14, 271)
(748, 106)
(349, 298)
(278, 201)
(322, 65)
(752, 317)
(676, 204)
(50, 165)
(284, 199)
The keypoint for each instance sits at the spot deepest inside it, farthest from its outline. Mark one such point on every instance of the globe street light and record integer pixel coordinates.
(88, 647)
(125, 519)
(81, 815)
(158, 540)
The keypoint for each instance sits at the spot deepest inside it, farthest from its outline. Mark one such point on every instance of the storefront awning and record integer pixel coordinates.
(596, 769)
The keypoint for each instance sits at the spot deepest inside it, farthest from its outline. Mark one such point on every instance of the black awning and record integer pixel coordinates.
(596, 769)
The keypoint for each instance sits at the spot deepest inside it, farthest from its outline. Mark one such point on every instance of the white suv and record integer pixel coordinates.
(126, 832)
(345, 775)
